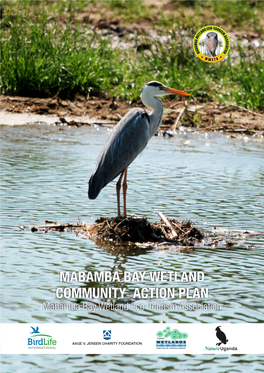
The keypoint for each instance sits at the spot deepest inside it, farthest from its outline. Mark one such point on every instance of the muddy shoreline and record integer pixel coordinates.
(104, 110)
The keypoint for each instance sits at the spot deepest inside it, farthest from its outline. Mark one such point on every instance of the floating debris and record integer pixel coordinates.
(126, 233)
(50, 226)
(130, 229)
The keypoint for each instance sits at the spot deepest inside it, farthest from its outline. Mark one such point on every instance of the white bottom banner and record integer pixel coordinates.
(223, 338)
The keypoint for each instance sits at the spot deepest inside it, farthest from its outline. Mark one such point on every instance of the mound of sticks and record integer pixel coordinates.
(133, 229)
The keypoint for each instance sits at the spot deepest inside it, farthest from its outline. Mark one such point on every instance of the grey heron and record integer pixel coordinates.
(127, 140)
(211, 41)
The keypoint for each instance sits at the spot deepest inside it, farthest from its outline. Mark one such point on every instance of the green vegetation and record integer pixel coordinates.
(235, 14)
(43, 55)
(247, 81)
(131, 10)
(41, 59)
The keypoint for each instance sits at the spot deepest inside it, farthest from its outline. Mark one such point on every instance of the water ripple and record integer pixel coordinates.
(214, 181)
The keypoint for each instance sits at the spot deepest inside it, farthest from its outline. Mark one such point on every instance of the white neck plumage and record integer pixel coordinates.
(155, 116)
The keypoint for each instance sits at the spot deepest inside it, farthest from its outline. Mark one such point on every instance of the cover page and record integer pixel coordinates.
(132, 186)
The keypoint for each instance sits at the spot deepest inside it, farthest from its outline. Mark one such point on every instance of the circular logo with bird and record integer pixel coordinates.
(211, 44)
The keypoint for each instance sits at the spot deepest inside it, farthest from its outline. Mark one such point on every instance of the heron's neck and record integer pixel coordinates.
(155, 116)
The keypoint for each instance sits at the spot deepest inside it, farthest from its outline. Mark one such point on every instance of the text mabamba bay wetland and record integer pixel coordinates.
(107, 276)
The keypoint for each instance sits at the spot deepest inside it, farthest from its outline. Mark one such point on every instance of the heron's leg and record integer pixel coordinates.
(125, 190)
(118, 187)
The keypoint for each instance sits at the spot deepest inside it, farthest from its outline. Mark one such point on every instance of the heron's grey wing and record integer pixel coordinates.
(129, 137)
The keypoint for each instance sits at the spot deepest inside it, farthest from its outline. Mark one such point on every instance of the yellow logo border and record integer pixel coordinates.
(196, 48)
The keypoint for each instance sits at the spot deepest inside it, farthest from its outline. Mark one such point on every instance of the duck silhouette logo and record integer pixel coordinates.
(221, 336)
(35, 330)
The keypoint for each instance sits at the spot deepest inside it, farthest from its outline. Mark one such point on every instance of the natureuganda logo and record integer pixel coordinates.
(40, 341)
(168, 338)
(222, 340)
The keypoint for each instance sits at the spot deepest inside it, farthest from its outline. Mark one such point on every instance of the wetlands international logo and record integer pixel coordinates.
(168, 339)
(38, 340)
(211, 44)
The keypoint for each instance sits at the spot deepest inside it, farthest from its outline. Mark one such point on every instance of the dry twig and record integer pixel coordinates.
(175, 126)
(166, 221)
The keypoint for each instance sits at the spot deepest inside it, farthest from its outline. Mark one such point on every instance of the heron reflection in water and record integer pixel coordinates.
(129, 137)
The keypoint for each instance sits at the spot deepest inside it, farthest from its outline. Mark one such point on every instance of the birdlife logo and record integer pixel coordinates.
(221, 342)
(107, 334)
(211, 44)
(38, 340)
(171, 339)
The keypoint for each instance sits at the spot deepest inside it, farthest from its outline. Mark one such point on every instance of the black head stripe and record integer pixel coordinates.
(154, 84)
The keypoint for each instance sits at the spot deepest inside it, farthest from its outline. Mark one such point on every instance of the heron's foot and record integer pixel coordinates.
(122, 216)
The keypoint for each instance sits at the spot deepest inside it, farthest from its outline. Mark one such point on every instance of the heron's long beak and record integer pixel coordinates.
(176, 92)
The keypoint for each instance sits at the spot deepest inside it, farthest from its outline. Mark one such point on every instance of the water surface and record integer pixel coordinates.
(211, 179)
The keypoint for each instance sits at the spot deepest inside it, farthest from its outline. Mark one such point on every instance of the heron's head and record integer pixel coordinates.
(159, 89)
(211, 36)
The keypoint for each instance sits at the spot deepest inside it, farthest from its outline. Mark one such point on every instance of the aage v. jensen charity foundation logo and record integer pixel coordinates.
(40, 341)
(107, 334)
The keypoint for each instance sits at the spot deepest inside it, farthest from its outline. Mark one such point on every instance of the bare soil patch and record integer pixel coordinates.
(107, 110)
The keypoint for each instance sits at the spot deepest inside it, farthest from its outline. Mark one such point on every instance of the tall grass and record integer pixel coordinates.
(41, 57)
(248, 82)
(175, 64)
